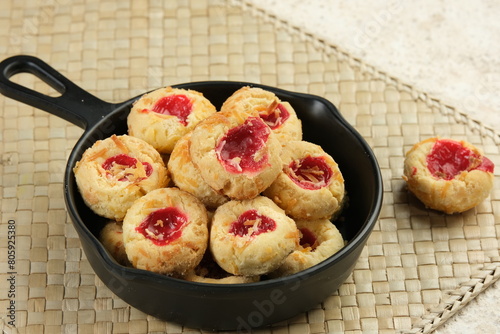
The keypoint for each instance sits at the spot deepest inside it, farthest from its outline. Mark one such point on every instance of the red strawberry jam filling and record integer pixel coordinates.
(163, 226)
(242, 149)
(310, 173)
(251, 223)
(175, 105)
(449, 158)
(125, 168)
(308, 238)
(275, 115)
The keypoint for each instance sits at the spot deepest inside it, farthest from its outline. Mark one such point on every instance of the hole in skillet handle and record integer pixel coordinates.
(74, 105)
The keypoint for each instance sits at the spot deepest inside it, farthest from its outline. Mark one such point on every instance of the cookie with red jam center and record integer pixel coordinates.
(116, 171)
(121, 168)
(166, 232)
(448, 175)
(309, 172)
(251, 237)
(278, 115)
(236, 154)
(242, 149)
(163, 116)
(319, 240)
(310, 185)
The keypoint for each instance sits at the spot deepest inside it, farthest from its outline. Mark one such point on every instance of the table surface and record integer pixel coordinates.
(446, 48)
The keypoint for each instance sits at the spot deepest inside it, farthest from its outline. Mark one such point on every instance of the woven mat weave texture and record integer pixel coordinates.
(418, 268)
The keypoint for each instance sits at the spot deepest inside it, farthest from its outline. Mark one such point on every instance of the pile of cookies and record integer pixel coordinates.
(229, 196)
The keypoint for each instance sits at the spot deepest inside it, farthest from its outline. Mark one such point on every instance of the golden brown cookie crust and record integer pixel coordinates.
(204, 142)
(251, 254)
(232, 279)
(175, 257)
(265, 103)
(187, 177)
(102, 190)
(302, 203)
(465, 191)
(111, 237)
(208, 271)
(162, 131)
(328, 242)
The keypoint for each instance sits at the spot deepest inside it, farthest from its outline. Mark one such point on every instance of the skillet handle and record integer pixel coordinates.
(74, 104)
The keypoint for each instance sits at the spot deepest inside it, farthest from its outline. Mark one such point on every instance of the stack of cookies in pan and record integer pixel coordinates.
(228, 196)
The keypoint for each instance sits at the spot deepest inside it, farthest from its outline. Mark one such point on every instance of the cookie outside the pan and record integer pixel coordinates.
(448, 175)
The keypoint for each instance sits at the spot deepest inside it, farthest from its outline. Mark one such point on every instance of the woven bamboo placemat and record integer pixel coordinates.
(418, 268)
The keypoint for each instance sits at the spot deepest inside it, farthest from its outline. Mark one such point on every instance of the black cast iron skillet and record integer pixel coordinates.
(202, 305)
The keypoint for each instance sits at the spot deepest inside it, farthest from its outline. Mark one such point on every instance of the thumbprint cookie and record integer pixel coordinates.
(116, 171)
(448, 175)
(251, 237)
(319, 239)
(310, 185)
(228, 279)
(208, 271)
(236, 153)
(165, 231)
(186, 176)
(163, 116)
(278, 115)
(111, 237)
